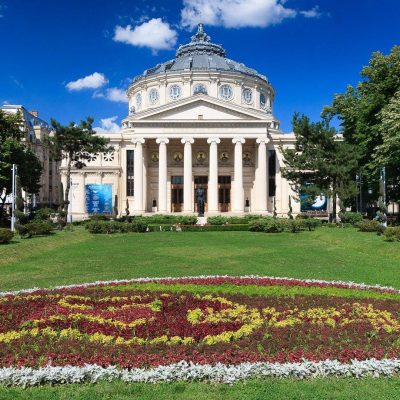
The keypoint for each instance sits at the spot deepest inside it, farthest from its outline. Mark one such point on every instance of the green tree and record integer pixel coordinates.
(77, 144)
(360, 111)
(320, 163)
(14, 151)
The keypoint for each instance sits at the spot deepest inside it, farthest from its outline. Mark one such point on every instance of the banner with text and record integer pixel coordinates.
(98, 198)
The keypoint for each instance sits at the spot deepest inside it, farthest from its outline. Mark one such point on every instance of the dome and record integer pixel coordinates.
(200, 55)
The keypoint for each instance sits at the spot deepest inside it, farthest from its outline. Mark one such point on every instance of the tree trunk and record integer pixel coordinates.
(67, 188)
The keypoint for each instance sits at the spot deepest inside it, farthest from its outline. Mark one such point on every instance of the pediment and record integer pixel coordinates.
(200, 108)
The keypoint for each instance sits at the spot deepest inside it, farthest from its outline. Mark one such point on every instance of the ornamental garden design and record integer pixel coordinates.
(272, 326)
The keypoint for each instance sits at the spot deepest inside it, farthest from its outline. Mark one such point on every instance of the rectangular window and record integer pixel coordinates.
(272, 172)
(130, 173)
(177, 180)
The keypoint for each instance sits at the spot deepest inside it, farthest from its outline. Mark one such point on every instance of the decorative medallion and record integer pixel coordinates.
(108, 156)
(226, 92)
(175, 92)
(247, 95)
(200, 88)
(153, 96)
(178, 157)
(224, 156)
(262, 100)
(246, 156)
(201, 156)
(138, 101)
(154, 156)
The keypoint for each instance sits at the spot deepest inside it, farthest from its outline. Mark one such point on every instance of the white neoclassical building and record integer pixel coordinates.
(199, 119)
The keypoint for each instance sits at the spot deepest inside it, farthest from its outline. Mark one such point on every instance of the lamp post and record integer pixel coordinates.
(13, 195)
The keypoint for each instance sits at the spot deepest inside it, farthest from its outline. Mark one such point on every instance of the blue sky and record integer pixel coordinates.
(309, 49)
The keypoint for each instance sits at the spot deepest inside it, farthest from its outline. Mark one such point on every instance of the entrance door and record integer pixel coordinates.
(224, 193)
(176, 193)
(203, 181)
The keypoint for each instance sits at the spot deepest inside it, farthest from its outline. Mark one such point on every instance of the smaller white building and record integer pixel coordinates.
(36, 132)
(199, 119)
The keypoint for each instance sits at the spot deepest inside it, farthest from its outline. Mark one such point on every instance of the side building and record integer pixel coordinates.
(36, 133)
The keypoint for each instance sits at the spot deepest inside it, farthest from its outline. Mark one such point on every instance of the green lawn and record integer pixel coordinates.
(74, 257)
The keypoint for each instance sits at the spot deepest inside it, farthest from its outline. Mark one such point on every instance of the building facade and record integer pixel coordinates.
(36, 133)
(199, 119)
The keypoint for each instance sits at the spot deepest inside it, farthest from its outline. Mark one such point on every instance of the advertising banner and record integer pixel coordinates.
(98, 198)
(319, 204)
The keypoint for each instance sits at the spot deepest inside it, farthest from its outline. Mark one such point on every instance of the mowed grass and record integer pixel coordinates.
(271, 389)
(76, 256)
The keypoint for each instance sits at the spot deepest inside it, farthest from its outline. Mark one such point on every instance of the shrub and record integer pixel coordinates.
(215, 228)
(368, 225)
(186, 220)
(294, 225)
(311, 223)
(22, 217)
(348, 217)
(217, 220)
(36, 228)
(392, 234)
(99, 217)
(5, 235)
(23, 230)
(43, 214)
(268, 225)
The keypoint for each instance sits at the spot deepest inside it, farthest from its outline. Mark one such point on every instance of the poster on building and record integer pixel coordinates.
(98, 198)
(319, 203)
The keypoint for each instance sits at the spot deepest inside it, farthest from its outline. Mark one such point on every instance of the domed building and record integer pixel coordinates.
(199, 120)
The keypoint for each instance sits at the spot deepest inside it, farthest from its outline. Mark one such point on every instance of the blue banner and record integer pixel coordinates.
(319, 204)
(98, 198)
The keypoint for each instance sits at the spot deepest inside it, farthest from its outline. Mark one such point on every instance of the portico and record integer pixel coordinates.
(233, 170)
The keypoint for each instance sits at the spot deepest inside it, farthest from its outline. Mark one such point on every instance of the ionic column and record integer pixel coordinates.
(261, 175)
(213, 174)
(238, 193)
(138, 175)
(187, 174)
(162, 174)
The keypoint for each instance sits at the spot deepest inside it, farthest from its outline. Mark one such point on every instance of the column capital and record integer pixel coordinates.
(236, 140)
(189, 140)
(136, 141)
(262, 139)
(215, 140)
(163, 140)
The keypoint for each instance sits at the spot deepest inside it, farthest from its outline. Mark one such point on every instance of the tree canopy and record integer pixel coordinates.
(14, 151)
(363, 112)
(77, 144)
(320, 162)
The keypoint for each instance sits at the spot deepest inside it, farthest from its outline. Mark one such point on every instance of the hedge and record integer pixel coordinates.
(214, 228)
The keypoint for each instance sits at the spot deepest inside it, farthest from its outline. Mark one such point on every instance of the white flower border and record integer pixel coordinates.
(188, 371)
(184, 371)
(344, 284)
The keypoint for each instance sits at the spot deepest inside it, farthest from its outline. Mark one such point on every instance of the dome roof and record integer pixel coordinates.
(200, 55)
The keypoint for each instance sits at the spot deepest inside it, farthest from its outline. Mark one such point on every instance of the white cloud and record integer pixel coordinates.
(93, 81)
(238, 13)
(108, 125)
(155, 34)
(113, 94)
(313, 13)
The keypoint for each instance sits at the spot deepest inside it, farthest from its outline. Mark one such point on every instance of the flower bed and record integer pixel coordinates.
(198, 328)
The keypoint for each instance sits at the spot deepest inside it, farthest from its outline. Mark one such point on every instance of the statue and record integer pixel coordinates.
(200, 200)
